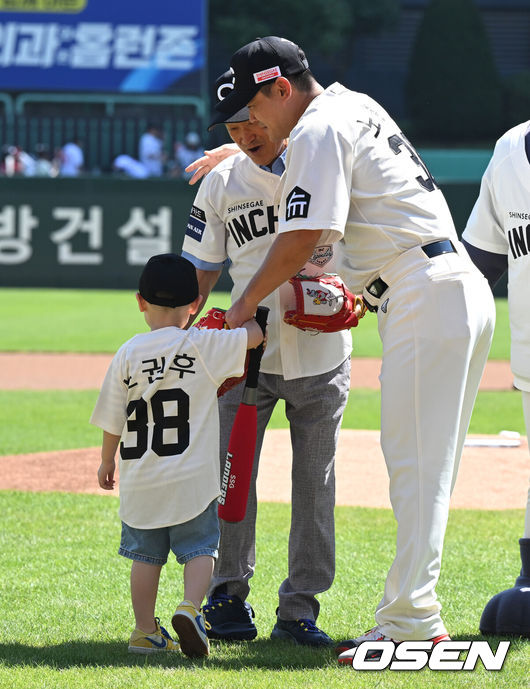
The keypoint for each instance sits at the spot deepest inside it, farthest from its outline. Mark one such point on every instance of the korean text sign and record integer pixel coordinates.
(97, 45)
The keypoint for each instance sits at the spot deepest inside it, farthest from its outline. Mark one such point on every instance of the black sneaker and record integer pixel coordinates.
(302, 631)
(230, 618)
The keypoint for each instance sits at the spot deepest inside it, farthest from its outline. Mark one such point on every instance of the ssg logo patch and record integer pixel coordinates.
(322, 255)
(196, 223)
(297, 205)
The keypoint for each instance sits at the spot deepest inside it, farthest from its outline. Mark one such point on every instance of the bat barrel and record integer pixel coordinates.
(237, 472)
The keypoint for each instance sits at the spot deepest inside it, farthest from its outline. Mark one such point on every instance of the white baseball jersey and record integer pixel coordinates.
(160, 396)
(353, 176)
(500, 223)
(235, 216)
(362, 180)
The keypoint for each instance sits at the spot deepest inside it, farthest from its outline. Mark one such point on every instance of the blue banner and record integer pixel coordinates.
(118, 46)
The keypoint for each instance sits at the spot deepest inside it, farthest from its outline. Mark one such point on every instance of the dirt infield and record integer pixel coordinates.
(86, 371)
(489, 478)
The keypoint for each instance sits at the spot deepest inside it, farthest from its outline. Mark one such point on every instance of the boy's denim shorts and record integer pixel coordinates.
(199, 536)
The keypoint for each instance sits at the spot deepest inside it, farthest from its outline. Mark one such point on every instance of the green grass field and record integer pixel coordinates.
(65, 612)
(54, 320)
(39, 421)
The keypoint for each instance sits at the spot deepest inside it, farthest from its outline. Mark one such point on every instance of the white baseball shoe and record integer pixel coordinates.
(346, 649)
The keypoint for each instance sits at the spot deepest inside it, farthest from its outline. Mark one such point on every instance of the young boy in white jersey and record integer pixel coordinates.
(158, 403)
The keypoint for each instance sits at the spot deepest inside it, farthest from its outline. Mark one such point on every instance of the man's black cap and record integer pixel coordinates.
(223, 87)
(169, 280)
(256, 64)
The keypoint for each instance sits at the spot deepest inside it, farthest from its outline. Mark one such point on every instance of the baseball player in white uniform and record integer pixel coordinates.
(234, 217)
(351, 176)
(497, 237)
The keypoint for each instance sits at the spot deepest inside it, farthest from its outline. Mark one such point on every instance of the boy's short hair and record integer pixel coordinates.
(169, 280)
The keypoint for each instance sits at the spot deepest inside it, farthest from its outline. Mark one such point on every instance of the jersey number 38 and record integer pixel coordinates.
(178, 423)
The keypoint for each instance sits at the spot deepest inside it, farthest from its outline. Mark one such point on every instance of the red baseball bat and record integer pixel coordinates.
(235, 481)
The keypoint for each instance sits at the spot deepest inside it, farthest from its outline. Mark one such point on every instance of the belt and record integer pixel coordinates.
(378, 286)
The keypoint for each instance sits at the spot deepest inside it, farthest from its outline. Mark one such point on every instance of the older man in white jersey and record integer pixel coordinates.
(234, 217)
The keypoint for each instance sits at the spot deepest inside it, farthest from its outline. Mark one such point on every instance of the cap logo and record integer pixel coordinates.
(266, 74)
(222, 90)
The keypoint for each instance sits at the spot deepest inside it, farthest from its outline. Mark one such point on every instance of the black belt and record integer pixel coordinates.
(379, 286)
(444, 246)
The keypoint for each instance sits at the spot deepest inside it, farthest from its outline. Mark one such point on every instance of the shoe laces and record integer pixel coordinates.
(308, 625)
(163, 631)
(217, 601)
(374, 634)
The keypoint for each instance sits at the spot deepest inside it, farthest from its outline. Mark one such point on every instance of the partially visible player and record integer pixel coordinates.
(497, 237)
(234, 217)
(352, 176)
(158, 404)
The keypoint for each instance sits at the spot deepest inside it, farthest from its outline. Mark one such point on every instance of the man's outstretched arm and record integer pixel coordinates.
(287, 255)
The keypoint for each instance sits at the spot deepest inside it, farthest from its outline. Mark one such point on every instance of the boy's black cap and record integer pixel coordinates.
(254, 65)
(224, 86)
(169, 280)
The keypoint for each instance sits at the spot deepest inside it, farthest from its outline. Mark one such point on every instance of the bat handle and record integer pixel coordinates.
(262, 313)
(256, 353)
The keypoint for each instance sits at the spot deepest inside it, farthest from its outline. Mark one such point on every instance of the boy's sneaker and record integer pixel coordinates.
(189, 624)
(302, 631)
(157, 642)
(229, 618)
(346, 649)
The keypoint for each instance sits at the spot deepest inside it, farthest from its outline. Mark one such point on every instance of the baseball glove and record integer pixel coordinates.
(214, 319)
(323, 304)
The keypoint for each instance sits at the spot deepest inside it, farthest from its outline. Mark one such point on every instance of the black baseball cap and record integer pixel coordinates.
(224, 85)
(258, 63)
(169, 280)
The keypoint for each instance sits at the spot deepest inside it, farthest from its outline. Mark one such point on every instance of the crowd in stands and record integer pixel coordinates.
(16, 162)
(69, 160)
(153, 159)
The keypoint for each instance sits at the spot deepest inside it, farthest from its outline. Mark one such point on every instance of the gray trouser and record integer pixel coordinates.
(314, 408)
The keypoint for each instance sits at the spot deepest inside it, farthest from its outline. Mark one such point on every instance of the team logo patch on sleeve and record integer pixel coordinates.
(196, 223)
(322, 255)
(297, 205)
